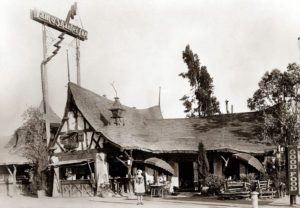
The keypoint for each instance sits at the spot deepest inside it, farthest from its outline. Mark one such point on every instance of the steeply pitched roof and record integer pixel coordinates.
(147, 130)
(95, 108)
(8, 155)
(52, 116)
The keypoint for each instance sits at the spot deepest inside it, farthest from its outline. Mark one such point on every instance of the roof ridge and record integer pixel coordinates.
(76, 85)
(208, 117)
(102, 97)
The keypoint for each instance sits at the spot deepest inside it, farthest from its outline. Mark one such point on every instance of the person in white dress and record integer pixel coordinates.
(139, 186)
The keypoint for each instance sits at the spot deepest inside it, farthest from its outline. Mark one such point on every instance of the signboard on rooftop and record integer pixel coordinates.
(58, 24)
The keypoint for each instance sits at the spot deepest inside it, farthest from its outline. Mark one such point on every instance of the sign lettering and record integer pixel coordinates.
(58, 24)
(293, 170)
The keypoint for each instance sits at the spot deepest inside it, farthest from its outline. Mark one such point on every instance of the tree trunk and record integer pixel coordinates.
(129, 173)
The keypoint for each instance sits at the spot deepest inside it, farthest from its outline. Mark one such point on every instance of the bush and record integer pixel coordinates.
(104, 190)
(248, 177)
(214, 183)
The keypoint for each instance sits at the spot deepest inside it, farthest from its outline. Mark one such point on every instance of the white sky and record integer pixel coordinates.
(138, 44)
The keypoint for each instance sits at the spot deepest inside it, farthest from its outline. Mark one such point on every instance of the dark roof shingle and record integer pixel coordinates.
(147, 130)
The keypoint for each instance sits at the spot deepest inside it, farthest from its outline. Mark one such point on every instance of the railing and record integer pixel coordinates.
(76, 188)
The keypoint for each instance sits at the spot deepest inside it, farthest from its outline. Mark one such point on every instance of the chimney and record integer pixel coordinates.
(231, 109)
(226, 103)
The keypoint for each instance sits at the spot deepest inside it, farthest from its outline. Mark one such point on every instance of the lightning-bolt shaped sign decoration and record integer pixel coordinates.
(71, 15)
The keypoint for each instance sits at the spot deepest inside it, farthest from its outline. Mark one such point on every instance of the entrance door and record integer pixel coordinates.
(233, 169)
(186, 176)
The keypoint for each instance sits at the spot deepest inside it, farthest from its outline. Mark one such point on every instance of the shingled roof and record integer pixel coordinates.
(147, 130)
(10, 147)
(54, 119)
(9, 155)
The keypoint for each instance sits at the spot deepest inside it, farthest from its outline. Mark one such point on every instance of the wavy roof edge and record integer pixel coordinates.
(147, 130)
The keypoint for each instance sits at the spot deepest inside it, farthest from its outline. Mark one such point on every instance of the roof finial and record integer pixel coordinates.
(226, 103)
(112, 84)
(159, 96)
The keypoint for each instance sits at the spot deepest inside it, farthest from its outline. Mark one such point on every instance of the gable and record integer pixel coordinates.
(146, 130)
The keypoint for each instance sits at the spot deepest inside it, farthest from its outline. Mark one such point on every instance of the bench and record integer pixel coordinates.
(265, 189)
(236, 190)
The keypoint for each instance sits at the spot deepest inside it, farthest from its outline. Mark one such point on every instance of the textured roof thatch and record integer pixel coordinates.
(10, 147)
(147, 130)
(52, 116)
(9, 155)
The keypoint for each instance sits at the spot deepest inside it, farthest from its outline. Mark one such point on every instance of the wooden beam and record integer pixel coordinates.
(92, 138)
(9, 171)
(86, 140)
(61, 148)
(72, 131)
(76, 119)
(124, 163)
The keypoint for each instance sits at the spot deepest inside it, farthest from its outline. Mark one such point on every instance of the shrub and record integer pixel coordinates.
(248, 177)
(214, 183)
(104, 190)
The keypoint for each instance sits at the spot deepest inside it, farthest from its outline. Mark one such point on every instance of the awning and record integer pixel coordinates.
(160, 164)
(71, 162)
(251, 161)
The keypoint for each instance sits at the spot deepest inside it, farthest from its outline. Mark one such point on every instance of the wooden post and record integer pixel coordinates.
(68, 66)
(14, 176)
(128, 165)
(78, 61)
(45, 84)
(101, 169)
(56, 192)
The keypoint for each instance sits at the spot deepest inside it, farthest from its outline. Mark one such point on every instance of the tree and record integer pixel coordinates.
(201, 103)
(35, 145)
(203, 166)
(278, 99)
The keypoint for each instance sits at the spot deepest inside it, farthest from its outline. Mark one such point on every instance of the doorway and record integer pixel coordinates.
(186, 176)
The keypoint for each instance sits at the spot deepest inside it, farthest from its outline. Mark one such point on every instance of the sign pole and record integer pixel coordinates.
(78, 61)
(66, 28)
(68, 66)
(45, 84)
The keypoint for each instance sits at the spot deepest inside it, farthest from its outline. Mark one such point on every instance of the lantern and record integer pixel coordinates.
(117, 111)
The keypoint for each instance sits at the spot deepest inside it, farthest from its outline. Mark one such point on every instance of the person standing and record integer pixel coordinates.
(139, 186)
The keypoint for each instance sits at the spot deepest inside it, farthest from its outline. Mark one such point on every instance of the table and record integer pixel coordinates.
(156, 189)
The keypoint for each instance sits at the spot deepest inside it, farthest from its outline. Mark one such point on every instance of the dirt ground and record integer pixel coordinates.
(96, 202)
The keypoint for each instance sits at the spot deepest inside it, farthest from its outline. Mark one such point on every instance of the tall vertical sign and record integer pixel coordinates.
(293, 170)
(66, 28)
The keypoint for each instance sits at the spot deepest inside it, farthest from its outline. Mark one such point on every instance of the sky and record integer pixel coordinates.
(138, 44)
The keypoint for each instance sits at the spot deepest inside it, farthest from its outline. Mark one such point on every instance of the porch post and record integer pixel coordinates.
(56, 192)
(14, 177)
(101, 169)
(175, 177)
(196, 177)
